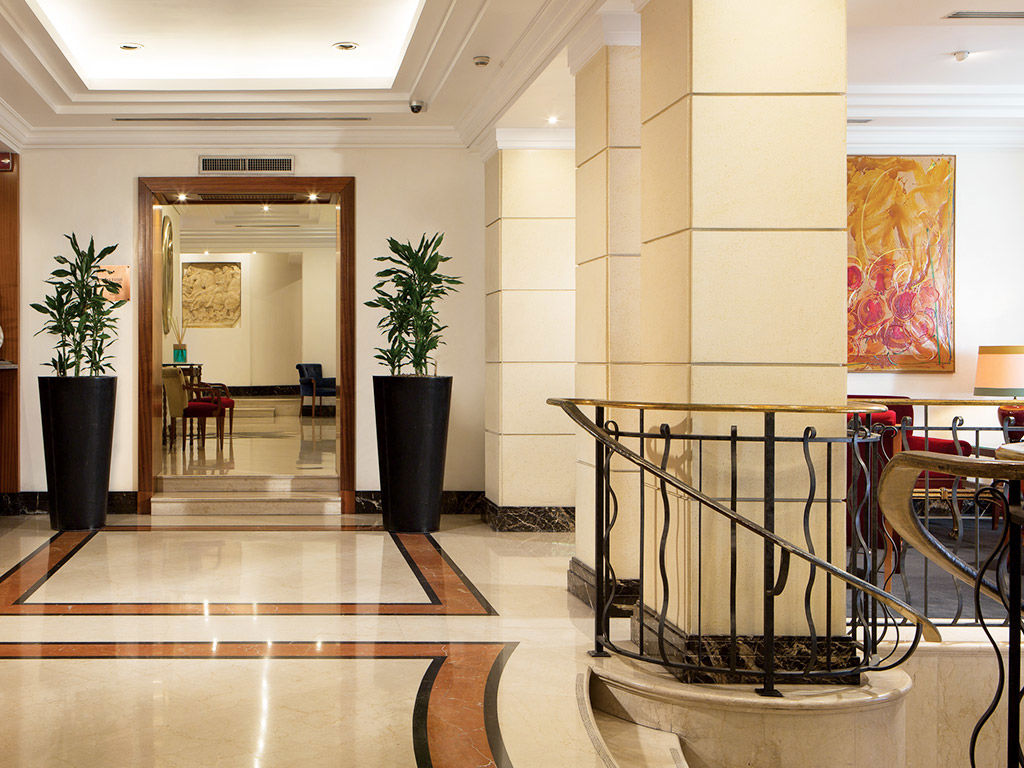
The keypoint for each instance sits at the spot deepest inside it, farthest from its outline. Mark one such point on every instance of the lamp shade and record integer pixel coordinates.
(1000, 371)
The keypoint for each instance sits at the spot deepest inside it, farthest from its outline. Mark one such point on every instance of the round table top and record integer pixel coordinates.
(1010, 452)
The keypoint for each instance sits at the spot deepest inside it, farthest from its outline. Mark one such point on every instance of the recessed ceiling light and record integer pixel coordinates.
(182, 197)
(266, 208)
(312, 197)
(206, 253)
(553, 120)
(345, 46)
(130, 46)
(961, 55)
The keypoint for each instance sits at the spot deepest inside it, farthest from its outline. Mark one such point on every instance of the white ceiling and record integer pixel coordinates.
(231, 44)
(902, 75)
(230, 228)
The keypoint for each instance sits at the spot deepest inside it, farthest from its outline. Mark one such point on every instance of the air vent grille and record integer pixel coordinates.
(988, 15)
(209, 164)
(269, 197)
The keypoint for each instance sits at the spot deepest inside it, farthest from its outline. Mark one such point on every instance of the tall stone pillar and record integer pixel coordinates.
(743, 269)
(529, 338)
(605, 61)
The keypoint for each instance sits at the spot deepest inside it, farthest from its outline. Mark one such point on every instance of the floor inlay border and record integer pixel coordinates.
(455, 718)
(448, 590)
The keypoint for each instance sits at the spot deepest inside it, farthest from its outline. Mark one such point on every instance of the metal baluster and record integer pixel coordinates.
(599, 570)
(769, 558)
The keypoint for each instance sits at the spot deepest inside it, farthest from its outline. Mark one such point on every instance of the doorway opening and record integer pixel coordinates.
(237, 276)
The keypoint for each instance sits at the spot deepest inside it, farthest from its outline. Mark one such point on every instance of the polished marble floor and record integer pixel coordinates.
(276, 440)
(320, 641)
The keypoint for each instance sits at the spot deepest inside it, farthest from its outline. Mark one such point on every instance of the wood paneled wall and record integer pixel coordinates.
(10, 302)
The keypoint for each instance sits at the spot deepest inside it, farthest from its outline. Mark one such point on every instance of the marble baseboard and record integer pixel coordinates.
(37, 502)
(452, 502)
(522, 519)
(791, 653)
(281, 390)
(580, 583)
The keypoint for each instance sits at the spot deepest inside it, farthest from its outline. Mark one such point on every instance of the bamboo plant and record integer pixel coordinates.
(407, 290)
(79, 311)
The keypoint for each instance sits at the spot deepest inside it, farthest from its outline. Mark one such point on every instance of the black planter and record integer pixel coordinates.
(412, 437)
(78, 430)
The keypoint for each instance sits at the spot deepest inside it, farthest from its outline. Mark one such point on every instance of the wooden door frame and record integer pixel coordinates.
(155, 192)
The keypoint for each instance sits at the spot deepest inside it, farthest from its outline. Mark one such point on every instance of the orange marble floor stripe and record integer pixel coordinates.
(457, 597)
(457, 710)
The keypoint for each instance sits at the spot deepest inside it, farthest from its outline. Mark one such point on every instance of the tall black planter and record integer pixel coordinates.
(412, 437)
(78, 430)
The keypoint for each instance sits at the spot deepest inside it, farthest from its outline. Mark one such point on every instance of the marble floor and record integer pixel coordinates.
(320, 641)
(270, 437)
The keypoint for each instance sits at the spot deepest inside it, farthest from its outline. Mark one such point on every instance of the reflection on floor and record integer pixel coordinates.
(319, 641)
(269, 438)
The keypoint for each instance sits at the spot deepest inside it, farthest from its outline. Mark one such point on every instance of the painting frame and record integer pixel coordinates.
(945, 291)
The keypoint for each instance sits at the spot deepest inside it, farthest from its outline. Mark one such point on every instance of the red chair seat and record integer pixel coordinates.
(200, 409)
(224, 402)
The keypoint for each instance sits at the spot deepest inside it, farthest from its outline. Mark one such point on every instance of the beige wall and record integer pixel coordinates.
(743, 230)
(608, 352)
(530, 344)
(400, 193)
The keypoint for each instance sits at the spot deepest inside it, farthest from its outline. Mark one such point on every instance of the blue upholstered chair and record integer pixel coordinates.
(312, 384)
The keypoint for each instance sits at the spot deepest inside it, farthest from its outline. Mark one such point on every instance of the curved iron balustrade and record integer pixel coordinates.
(608, 441)
(895, 499)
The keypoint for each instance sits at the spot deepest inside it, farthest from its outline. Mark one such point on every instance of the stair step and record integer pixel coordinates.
(186, 484)
(246, 503)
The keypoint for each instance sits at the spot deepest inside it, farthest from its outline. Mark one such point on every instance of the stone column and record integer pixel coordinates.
(742, 268)
(529, 338)
(606, 64)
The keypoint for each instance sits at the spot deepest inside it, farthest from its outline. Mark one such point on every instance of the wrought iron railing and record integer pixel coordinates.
(898, 482)
(953, 510)
(818, 651)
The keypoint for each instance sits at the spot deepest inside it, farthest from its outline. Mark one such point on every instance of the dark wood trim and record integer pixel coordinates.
(10, 309)
(158, 191)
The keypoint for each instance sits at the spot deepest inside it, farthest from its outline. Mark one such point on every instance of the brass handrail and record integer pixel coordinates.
(947, 401)
(851, 406)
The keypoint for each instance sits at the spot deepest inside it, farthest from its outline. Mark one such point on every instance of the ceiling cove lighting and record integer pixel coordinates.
(347, 45)
(989, 15)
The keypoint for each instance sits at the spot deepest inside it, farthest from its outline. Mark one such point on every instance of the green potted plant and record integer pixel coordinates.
(411, 408)
(77, 402)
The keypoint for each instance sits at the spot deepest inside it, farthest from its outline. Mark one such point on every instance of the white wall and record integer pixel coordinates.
(400, 193)
(989, 268)
(263, 348)
(319, 309)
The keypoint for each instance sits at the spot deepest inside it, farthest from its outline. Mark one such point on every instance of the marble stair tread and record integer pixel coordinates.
(245, 503)
(635, 745)
(180, 484)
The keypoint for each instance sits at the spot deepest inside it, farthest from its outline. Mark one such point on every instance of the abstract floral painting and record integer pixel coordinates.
(900, 263)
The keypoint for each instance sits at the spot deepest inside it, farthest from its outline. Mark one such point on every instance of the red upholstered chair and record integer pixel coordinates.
(181, 406)
(1012, 422)
(219, 395)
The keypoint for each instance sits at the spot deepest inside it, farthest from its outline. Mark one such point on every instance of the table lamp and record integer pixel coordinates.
(1000, 373)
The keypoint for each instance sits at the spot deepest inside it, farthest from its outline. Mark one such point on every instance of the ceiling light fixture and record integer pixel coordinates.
(206, 253)
(130, 46)
(266, 208)
(553, 120)
(961, 55)
(312, 197)
(345, 46)
(182, 197)
(481, 61)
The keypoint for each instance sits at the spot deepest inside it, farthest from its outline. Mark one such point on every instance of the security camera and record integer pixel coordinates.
(416, 106)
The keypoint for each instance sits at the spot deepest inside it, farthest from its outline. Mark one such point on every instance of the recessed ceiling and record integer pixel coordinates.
(231, 44)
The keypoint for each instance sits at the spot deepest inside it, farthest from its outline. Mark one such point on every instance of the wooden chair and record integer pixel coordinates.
(182, 403)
